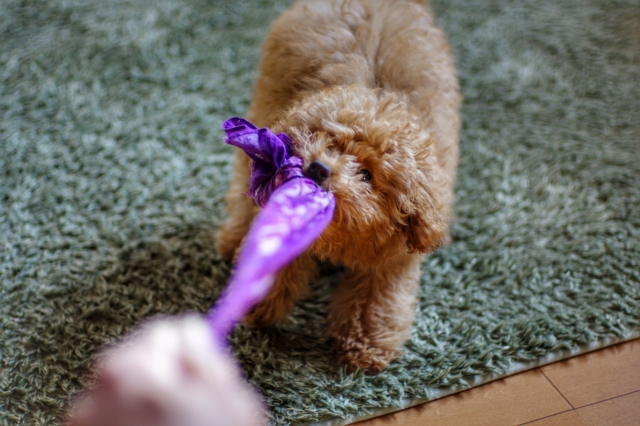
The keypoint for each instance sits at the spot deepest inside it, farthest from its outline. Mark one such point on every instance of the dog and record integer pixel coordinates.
(367, 90)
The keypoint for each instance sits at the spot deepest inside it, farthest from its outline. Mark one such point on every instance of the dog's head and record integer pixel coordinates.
(368, 149)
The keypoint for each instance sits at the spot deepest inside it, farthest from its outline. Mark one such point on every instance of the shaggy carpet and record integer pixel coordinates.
(112, 171)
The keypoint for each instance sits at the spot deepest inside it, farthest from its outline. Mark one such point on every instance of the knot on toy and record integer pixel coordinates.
(273, 162)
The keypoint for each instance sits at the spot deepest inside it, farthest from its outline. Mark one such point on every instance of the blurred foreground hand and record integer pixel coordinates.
(169, 373)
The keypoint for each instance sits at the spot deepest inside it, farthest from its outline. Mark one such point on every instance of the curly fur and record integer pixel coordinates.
(360, 84)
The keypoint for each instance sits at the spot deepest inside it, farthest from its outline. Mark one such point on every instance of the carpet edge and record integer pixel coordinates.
(475, 381)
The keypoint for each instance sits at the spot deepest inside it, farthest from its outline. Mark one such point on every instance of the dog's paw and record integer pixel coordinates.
(226, 244)
(358, 356)
(266, 313)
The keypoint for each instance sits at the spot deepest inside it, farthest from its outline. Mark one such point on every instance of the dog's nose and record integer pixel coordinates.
(319, 172)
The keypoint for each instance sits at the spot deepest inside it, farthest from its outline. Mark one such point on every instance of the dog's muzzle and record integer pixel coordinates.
(318, 172)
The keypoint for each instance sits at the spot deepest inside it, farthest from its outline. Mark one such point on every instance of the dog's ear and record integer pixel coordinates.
(425, 229)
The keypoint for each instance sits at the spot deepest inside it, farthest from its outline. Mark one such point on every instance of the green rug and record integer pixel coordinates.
(112, 171)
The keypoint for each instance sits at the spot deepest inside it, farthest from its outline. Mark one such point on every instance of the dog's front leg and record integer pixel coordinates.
(291, 283)
(372, 311)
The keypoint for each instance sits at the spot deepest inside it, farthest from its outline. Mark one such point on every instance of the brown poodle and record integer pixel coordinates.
(367, 90)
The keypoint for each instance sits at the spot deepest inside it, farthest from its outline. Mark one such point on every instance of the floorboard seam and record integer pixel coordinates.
(608, 399)
(556, 388)
(546, 417)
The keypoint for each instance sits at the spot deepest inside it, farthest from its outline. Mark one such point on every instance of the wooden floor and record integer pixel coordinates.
(601, 388)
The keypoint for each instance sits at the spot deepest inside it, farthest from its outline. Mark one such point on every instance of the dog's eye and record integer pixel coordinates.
(366, 175)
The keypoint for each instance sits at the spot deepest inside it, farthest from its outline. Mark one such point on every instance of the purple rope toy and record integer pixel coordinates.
(295, 212)
(171, 364)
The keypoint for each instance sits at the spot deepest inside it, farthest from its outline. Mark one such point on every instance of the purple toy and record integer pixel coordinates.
(295, 212)
(170, 373)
